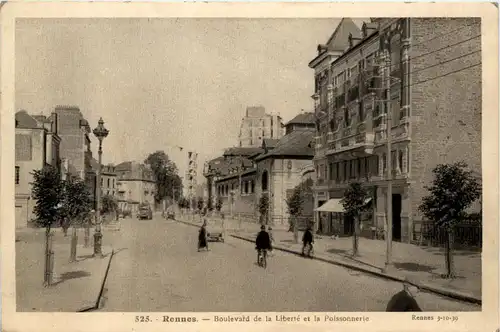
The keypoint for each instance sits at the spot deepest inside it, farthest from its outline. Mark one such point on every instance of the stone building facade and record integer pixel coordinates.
(75, 131)
(434, 97)
(135, 185)
(36, 144)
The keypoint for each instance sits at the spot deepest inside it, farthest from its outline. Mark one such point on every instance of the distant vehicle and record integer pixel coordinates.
(145, 212)
(215, 232)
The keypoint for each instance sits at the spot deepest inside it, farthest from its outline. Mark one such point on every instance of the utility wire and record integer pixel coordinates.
(431, 52)
(448, 33)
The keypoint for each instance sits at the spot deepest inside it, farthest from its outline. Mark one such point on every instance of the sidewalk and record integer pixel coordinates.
(75, 285)
(423, 266)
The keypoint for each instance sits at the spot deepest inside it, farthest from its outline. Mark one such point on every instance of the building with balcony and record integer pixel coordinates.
(422, 73)
(37, 144)
(134, 185)
(258, 125)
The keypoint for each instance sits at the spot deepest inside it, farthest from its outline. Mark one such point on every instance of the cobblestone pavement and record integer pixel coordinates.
(157, 268)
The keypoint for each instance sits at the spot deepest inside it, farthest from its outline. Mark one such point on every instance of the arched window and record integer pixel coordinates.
(265, 181)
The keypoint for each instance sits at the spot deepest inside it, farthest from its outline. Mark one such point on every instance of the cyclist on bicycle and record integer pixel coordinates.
(263, 241)
(307, 239)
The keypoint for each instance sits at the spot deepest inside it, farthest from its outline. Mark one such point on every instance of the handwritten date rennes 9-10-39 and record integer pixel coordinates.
(165, 319)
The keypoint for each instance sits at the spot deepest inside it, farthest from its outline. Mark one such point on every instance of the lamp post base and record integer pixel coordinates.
(98, 244)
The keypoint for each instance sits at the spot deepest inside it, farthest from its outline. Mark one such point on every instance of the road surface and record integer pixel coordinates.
(157, 268)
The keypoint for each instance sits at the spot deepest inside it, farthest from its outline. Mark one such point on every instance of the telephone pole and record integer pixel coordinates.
(388, 261)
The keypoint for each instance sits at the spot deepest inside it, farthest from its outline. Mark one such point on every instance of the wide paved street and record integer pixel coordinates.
(157, 268)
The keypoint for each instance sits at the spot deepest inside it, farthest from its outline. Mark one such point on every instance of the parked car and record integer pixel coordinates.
(145, 212)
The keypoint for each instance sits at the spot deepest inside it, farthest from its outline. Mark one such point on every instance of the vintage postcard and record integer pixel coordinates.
(243, 166)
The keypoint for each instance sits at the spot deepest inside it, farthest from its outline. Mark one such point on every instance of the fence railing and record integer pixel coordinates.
(467, 234)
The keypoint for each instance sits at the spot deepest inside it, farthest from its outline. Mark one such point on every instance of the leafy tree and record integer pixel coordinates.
(166, 175)
(47, 190)
(451, 193)
(354, 202)
(77, 201)
(218, 205)
(76, 206)
(264, 208)
(108, 204)
(295, 202)
(200, 203)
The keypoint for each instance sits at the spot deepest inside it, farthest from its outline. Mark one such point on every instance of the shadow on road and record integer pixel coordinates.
(72, 275)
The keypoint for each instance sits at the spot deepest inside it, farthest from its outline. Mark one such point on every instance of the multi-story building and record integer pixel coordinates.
(108, 178)
(422, 73)
(74, 131)
(37, 144)
(258, 125)
(134, 185)
(191, 176)
(243, 175)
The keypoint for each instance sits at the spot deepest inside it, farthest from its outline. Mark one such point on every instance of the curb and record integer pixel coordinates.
(101, 289)
(422, 286)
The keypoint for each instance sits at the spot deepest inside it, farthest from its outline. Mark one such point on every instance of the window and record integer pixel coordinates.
(400, 160)
(337, 171)
(264, 181)
(109, 182)
(345, 177)
(17, 174)
(359, 162)
(394, 160)
(246, 187)
(102, 181)
(384, 162)
(347, 119)
(253, 186)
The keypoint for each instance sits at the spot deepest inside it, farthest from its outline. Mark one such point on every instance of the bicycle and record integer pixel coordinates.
(309, 250)
(262, 258)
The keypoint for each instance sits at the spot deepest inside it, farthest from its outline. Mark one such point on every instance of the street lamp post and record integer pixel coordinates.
(100, 132)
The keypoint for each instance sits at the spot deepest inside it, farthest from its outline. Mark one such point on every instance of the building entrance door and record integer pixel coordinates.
(396, 217)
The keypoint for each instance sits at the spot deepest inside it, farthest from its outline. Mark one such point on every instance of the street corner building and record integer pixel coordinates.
(243, 175)
(420, 76)
(61, 140)
(135, 185)
(37, 144)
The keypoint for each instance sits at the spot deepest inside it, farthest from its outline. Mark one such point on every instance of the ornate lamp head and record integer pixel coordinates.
(100, 131)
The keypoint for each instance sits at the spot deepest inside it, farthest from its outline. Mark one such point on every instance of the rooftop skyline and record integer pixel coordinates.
(157, 89)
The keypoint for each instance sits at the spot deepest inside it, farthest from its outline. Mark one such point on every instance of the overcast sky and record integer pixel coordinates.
(167, 82)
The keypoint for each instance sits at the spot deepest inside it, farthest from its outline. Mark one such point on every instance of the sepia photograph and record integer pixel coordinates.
(248, 165)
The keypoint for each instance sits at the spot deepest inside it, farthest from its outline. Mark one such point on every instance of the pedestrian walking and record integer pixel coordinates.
(202, 237)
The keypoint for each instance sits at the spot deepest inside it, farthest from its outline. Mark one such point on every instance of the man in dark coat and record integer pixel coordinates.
(202, 237)
(263, 241)
(404, 300)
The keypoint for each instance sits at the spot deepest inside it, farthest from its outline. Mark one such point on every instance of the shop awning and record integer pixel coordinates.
(334, 205)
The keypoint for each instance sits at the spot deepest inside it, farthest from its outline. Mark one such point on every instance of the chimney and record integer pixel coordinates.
(54, 123)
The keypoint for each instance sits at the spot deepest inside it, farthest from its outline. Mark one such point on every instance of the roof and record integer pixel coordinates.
(270, 143)
(339, 40)
(297, 143)
(24, 120)
(241, 151)
(125, 166)
(303, 118)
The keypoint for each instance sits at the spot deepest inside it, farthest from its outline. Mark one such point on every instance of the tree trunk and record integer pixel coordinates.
(49, 259)
(295, 231)
(355, 237)
(450, 266)
(74, 241)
